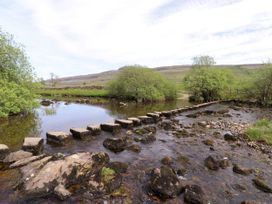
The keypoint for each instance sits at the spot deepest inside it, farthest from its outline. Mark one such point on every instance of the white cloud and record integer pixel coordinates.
(70, 37)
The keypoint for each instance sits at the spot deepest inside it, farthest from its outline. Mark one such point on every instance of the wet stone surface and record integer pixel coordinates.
(185, 159)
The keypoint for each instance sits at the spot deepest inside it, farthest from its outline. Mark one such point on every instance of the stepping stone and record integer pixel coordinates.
(94, 129)
(155, 116)
(136, 121)
(127, 124)
(80, 133)
(167, 114)
(16, 156)
(4, 151)
(33, 144)
(146, 119)
(59, 138)
(111, 127)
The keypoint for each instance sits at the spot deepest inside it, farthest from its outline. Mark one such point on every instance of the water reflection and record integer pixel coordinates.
(16, 128)
(61, 117)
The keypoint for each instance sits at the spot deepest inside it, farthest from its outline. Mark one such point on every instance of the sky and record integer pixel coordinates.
(75, 37)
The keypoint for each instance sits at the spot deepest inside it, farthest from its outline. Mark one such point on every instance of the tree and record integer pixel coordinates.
(16, 77)
(141, 84)
(53, 79)
(203, 61)
(207, 84)
(262, 84)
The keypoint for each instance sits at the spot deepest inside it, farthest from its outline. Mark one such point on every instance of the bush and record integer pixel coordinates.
(207, 83)
(262, 84)
(16, 78)
(141, 84)
(261, 130)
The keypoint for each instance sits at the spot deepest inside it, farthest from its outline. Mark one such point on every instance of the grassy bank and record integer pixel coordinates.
(260, 131)
(76, 92)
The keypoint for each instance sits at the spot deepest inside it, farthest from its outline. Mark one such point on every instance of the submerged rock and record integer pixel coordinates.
(211, 163)
(164, 183)
(134, 148)
(240, 170)
(46, 102)
(194, 195)
(118, 167)
(261, 185)
(115, 144)
(167, 160)
(33, 144)
(250, 202)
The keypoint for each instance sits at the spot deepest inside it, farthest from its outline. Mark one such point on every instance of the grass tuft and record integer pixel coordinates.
(260, 131)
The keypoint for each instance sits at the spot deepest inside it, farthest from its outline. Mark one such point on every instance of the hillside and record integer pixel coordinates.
(174, 73)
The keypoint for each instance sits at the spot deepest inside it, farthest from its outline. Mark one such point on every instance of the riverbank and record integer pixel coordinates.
(202, 150)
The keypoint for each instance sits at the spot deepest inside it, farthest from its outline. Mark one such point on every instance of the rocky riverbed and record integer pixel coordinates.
(193, 156)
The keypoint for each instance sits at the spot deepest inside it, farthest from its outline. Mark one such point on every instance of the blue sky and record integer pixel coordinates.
(74, 37)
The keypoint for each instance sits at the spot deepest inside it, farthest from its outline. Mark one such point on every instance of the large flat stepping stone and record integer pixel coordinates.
(16, 156)
(59, 138)
(4, 151)
(167, 114)
(136, 121)
(23, 162)
(33, 144)
(80, 133)
(146, 119)
(128, 124)
(111, 127)
(94, 129)
(155, 116)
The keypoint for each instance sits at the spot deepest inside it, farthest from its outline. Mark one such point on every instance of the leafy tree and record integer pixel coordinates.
(16, 77)
(141, 84)
(54, 79)
(203, 61)
(206, 83)
(262, 84)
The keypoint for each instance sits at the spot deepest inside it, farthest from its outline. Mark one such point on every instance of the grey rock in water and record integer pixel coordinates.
(111, 127)
(60, 138)
(164, 183)
(94, 129)
(33, 144)
(127, 124)
(115, 144)
(136, 121)
(146, 119)
(194, 195)
(81, 133)
(155, 116)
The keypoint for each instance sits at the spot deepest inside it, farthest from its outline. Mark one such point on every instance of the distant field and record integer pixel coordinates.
(75, 92)
(173, 73)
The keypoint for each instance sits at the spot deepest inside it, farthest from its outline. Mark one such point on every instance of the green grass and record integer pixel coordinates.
(260, 131)
(77, 92)
(107, 174)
